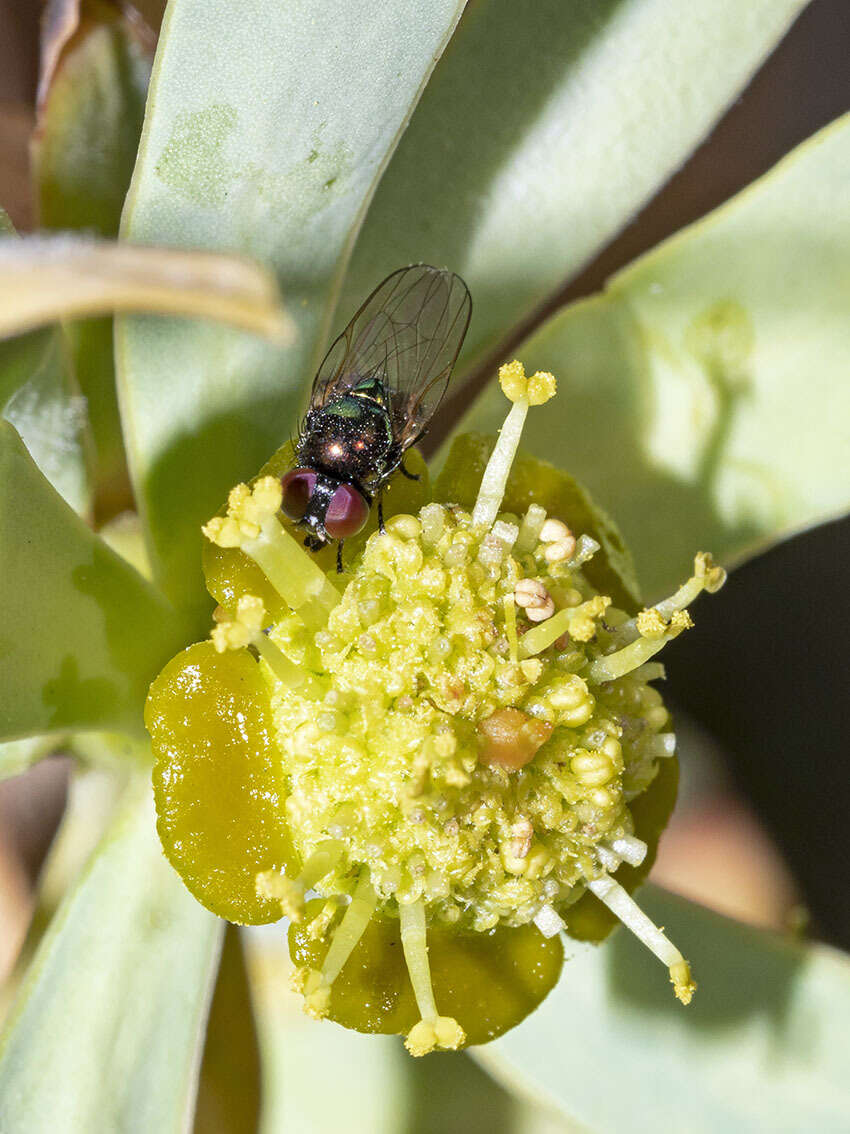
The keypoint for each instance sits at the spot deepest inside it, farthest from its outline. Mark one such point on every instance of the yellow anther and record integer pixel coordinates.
(650, 624)
(317, 994)
(278, 888)
(513, 381)
(223, 531)
(684, 985)
(247, 510)
(238, 632)
(706, 569)
(581, 626)
(266, 497)
(680, 621)
(536, 390)
(442, 1032)
(541, 387)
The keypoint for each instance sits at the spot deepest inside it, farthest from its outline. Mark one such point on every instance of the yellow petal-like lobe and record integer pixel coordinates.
(488, 982)
(217, 782)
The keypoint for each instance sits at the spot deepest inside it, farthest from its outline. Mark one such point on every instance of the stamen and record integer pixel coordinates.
(586, 548)
(637, 653)
(530, 529)
(246, 629)
(652, 671)
(630, 848)
(523, 392)
(290, 891)
(707, 576)
(251, 524)
(510, 626)
(316, 983)
(620, 903)
(432, 1030)
(324, 919)
(549, 921)
(577, 621)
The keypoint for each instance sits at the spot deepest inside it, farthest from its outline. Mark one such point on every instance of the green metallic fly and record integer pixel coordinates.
(372, 398)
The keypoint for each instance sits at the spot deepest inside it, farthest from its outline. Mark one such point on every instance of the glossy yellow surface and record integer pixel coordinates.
(217, 781)
(488, 981)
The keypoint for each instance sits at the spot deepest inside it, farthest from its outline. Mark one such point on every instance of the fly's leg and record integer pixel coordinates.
(381, 528)
(339, 557)
(409, 475)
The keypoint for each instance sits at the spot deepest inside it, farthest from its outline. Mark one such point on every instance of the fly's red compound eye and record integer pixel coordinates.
(347, 513)
(297, 488)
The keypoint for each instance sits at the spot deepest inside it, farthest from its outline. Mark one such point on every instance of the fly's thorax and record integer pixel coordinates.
(460, 771)
(351, 439)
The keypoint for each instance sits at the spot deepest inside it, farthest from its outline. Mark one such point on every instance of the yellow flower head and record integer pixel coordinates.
(450, 743)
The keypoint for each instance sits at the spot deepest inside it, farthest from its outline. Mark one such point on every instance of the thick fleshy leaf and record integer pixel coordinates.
(83, 634)
(95, 68)
(43, 279)
(762, 1046)
(267, 129)
(107, 1030)
(703, 397)
(544, 129)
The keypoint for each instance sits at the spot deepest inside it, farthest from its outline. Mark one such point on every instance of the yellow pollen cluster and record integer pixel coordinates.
(536, 390)
(247, 510)
(236, 633)
(652, 624)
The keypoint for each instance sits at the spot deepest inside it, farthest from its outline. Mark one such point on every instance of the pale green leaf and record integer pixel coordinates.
(82, 633)
(43, 279)
(268, 126)
(40, 398)
(703, 397)
(50, 416)
(545, 128)
(761, 1047)
(107, 1030)
(20, 358)
(18, 755)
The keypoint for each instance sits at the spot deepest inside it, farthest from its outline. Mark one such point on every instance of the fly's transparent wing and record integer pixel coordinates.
(407, 335)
